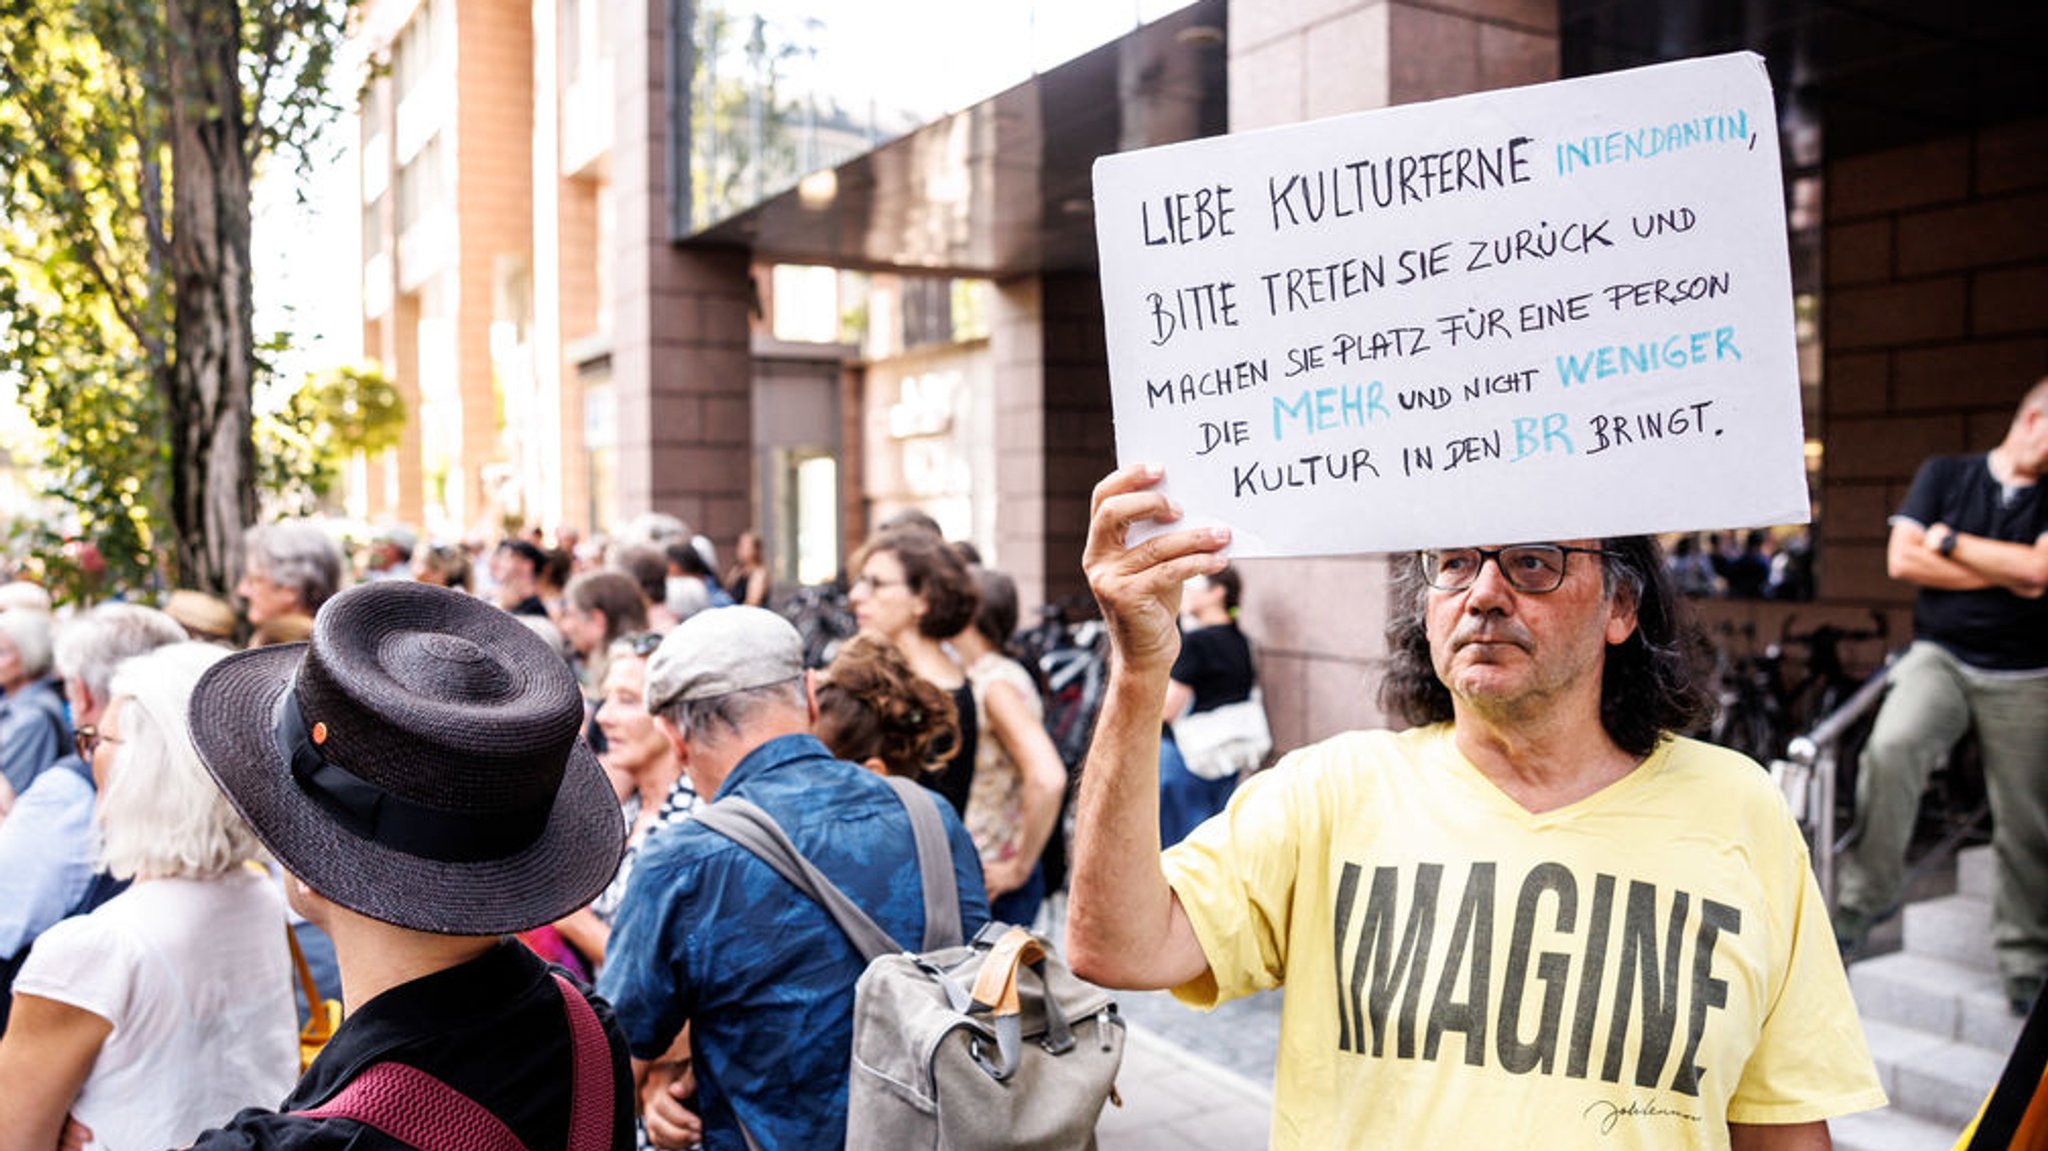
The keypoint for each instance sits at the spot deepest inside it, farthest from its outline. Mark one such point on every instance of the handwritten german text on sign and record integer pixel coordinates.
(1542, 313)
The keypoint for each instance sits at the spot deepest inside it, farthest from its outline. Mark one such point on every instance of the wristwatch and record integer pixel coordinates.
(1947, 546)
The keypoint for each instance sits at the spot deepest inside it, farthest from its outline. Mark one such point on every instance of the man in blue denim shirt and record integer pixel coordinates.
(710, 937)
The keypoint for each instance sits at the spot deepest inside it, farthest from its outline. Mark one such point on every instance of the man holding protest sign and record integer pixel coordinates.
(1435, 899)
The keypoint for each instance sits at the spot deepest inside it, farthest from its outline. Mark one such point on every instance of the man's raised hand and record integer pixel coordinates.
(1138, 586)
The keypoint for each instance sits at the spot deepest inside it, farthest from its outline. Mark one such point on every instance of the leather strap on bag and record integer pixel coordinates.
(995, 988)
(414, 1107)
(995, 993)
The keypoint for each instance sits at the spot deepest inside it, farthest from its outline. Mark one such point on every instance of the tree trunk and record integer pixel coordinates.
(208, 383)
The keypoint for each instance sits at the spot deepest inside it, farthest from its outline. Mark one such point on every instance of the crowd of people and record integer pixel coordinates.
(464, 788)
(116, 842)
(1742, 565)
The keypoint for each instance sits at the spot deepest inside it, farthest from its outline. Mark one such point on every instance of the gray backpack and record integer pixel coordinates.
(991, 1044)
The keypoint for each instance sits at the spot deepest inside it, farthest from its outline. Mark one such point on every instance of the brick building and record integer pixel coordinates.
(659, 374)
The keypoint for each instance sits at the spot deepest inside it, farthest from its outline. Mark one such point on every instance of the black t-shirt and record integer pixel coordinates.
(1217, 662)
(956, 779)
(493, 1028)
(1992, 628)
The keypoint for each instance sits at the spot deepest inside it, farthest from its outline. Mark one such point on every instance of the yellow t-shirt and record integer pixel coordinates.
(1635, 970)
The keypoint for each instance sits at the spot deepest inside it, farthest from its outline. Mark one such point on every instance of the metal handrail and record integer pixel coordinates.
(1817, 753)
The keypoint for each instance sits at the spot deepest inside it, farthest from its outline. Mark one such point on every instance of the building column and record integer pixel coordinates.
(681, 370)
(1318, 625)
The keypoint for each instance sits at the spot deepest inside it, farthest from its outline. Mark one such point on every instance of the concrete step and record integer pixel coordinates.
(1947, 1000)
(1931, 1078)
(1975, 868)
(1891, 1130)
(1956, 928)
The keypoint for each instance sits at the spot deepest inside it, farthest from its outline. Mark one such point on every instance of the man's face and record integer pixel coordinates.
(1508, 652)
(2032, 454)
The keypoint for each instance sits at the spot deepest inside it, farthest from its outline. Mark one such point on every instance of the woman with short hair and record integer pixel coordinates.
(914, 592)
(168, 1008)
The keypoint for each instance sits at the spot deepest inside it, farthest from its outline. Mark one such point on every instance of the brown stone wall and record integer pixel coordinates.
(1936, 324)
(680, 363)
(1079, 433)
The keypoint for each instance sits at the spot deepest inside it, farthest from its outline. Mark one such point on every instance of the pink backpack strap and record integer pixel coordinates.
(591, 1098)
(414, 1107)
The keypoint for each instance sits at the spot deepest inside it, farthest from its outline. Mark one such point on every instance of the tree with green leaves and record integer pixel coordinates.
(334, 416)
(129, 134)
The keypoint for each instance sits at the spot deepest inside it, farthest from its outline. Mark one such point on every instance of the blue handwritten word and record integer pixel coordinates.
(1552, 436)
(1321, 409)
(1679, 351)
(1652, 140)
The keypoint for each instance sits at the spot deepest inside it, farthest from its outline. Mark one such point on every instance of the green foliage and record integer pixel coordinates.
(303, 447)
(744, 145)
(88, 299)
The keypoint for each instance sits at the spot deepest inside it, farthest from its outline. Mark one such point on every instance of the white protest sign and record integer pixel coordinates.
(1542, 313)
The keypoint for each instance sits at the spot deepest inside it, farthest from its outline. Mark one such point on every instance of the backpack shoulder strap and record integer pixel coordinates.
(591, 1098)
(942, 926)
(414, 1107)
(755, 830)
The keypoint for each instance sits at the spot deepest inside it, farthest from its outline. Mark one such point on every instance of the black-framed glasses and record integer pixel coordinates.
(1531, 568)
(85, 741)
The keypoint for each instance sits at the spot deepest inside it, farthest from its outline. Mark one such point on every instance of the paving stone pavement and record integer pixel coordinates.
(1174, 1100)
(1191, 1080)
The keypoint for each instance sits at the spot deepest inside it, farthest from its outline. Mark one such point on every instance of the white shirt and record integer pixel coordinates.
(197, 981)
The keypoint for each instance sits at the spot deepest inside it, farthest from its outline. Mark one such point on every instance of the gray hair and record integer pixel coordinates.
(653, 529)
(28, 632)
(734, 711)
(161, 814)
(299, 555)
(92, 646)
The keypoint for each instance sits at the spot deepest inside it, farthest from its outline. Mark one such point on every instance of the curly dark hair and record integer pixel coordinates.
(872, 706)
(933, 570)
(1647, 689)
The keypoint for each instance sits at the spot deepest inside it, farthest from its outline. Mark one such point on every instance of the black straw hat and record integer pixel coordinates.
(418, 762)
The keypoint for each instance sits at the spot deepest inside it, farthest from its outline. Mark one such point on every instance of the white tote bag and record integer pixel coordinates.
(1224, 741)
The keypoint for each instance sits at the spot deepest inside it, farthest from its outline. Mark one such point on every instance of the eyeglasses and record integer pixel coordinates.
(1531, 568)
(873, 584)
(87, 740)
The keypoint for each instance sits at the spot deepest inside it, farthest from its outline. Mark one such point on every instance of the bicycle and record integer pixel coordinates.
(1760, 712)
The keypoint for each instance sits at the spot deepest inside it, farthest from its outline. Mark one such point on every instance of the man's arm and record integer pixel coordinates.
(662, 1085)
(1125, 926)
(1910, 558)
(1780, 1136)
(2020, 568)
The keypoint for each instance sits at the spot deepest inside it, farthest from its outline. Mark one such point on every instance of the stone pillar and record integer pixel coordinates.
(681, 369)
(1017, 345)
(1318, 624)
